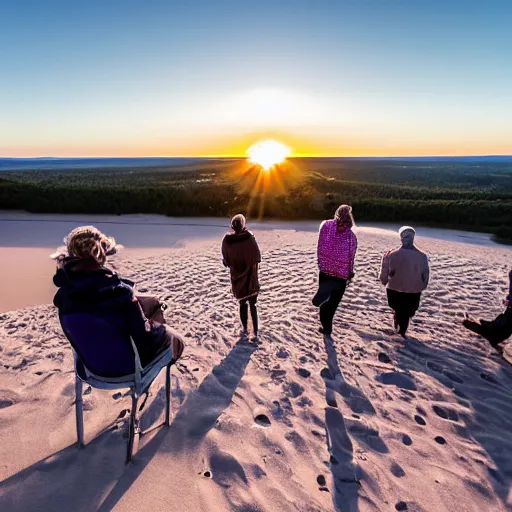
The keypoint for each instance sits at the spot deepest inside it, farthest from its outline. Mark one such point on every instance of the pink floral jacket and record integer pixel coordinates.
(336, 250)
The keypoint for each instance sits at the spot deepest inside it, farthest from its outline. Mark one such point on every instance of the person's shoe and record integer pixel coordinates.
(245, 334)
(324, 332)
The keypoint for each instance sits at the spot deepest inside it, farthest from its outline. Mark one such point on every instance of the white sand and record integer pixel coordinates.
(367, 445)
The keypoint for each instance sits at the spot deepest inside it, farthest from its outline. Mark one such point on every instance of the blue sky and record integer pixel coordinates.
(210, 77)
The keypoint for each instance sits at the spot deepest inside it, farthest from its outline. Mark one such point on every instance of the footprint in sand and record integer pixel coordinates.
(432, 365)
(440, 440)
(320, 480)
(263, 420)
(207, 474)
(6, 402)
(489, 378)
(296, 439)
(439, 369)
(277, 374)
(454, 377)
(117, 396)
(419, 420)
(397, 470)
(384, 358)
(304, 401)
(282, 354)
(303, 372)
(401, 506)
(446, 413)
(293, 389)
(406, 440)
(397, 379)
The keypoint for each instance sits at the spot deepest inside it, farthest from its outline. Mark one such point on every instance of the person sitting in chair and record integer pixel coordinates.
(86, 285)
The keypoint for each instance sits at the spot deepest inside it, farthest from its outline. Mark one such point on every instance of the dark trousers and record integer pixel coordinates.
(405, 306)
(329, 295)
(244, 313)
(494, 331)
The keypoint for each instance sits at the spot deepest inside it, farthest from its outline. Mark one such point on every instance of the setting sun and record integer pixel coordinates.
(268, 153)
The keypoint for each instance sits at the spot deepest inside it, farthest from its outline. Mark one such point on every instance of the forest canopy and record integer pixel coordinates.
(464, 195)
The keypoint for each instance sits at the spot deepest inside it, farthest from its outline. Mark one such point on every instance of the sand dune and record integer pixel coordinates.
(363, 423)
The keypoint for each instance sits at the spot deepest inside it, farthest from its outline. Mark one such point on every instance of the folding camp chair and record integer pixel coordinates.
(105, 358)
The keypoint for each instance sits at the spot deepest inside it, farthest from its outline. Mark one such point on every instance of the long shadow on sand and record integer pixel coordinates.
(196, 417)
(346, 475)
(86, 476)
(483, 394)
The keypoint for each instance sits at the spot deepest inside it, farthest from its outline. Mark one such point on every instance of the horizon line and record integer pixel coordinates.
(42, 157)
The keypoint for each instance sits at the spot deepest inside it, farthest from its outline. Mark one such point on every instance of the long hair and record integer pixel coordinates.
(344, 217)
(88, 242)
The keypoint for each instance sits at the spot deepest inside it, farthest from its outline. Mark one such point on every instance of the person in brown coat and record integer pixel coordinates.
(240, 252)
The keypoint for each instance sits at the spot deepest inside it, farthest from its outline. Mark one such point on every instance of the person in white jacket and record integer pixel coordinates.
(405, 273)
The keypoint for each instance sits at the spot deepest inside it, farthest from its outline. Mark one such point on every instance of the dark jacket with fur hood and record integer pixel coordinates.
(241, 254)
(85, 287)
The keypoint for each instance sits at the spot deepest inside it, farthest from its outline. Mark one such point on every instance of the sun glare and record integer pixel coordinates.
(268, 153)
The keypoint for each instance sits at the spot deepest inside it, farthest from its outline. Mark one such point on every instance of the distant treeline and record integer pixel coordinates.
(476, 199)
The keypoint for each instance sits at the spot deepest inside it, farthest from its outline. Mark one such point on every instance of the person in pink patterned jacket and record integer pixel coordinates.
(337, 246)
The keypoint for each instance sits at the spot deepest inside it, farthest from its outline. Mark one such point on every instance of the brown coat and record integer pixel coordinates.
(241, 254)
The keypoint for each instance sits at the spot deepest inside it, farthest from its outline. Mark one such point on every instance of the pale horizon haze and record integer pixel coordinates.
(202, 78)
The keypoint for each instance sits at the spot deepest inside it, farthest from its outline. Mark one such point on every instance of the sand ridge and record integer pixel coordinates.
(363, 422)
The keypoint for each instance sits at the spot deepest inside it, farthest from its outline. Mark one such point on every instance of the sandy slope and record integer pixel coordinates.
(427, 423)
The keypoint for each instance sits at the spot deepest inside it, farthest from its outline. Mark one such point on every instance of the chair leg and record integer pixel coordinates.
(79, 409)
(168, 395)
(132, 428)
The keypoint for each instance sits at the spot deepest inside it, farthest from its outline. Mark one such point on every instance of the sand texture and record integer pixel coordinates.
(365, 422)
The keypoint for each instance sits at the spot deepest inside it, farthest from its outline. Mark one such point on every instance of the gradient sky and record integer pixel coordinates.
(211, 77)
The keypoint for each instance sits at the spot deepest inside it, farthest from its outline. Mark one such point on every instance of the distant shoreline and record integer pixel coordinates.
(156, 224)
(77, 163)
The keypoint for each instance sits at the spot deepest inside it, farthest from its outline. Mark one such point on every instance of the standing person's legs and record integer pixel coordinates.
(400, 312)
(402, 319)
(254, 314)
(404, 306)
(244, 314)
(410, 305)
(328, 309)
